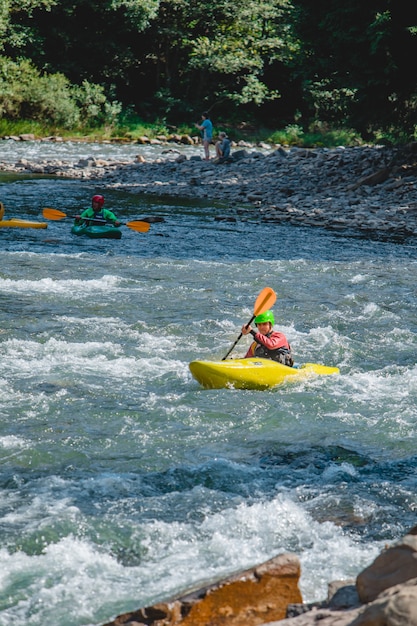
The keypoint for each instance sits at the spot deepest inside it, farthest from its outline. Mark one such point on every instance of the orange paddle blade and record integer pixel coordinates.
(264, 301)
(53, 214)
(140, 227)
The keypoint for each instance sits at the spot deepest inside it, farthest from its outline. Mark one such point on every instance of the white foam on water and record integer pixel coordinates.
(66, 584)
(244, 536)
(31, 358)
(73, 581)
(72, 287)
(11, 442)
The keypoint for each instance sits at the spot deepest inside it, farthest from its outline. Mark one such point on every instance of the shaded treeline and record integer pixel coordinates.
(306, 62)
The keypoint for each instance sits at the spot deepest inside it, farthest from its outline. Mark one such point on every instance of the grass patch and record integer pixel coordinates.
(131, 128)
(294, 135)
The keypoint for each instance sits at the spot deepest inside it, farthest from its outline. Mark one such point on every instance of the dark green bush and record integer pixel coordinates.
(27, 94)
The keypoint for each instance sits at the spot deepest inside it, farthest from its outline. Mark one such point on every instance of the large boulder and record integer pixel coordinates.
(395, 565)
(397, 606)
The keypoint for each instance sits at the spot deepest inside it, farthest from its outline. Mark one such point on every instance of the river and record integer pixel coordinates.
(122, 481)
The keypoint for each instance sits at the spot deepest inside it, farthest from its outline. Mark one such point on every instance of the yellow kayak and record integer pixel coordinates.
(253, 373)
(16, 223)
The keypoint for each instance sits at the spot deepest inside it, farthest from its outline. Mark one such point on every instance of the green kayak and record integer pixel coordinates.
(97, 231)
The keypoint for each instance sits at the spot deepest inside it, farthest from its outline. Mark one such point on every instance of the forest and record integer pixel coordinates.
(303, 64)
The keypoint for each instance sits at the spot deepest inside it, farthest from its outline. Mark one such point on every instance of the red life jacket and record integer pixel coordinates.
(282, 354)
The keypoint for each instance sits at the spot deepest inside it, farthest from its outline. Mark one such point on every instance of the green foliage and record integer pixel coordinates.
(92, 40)
(93, 106)
(27, 94)
(392, 136)
(20, 127)
(132, 126)
(319, 135)
(28, 6)
(4, 20)
(254, 91)
(165, 101)
(11, 29)
(329, 103)
(138, 12)
(291, 135)
(330, 137)
(24, 93)
(222, 48)
(358, 52)
(344, 65)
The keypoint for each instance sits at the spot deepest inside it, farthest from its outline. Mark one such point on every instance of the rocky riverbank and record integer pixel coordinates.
(366, 190)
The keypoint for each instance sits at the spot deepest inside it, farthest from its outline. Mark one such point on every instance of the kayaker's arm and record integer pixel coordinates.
(111, 217)
(87, 214)
(272, 341)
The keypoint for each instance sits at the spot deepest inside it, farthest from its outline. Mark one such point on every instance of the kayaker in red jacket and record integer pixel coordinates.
(97, 213)
(268, 343)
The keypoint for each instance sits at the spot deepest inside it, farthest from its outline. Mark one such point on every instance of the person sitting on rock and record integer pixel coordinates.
(269, 343)
(223, 147)
(97, 213)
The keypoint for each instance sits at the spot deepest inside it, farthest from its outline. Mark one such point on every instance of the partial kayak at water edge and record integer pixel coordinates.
(14, 222)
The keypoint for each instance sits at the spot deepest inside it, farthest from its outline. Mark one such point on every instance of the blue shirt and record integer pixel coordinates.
(207, 129)
(225, 147)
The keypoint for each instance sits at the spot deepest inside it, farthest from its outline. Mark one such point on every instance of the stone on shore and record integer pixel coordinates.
(395, 565)
(386, 594)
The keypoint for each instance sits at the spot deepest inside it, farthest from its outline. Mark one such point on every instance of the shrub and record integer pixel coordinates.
(27, 94)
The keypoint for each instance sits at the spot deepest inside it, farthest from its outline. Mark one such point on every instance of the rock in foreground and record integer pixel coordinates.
(253, 597)
(385, 594)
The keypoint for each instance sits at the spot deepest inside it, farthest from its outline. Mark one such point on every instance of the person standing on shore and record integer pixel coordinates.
(206, 127)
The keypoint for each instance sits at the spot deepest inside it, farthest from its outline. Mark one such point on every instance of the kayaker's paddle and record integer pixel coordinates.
(137, 225)
(264, 301)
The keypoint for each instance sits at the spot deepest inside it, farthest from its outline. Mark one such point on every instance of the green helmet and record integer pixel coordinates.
(268, 316)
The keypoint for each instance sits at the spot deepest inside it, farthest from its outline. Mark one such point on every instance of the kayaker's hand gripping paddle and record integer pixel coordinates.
(264, 301)
(137, 225)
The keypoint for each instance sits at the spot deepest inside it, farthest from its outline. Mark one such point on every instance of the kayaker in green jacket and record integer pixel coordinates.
(97, 213)
(268, 343)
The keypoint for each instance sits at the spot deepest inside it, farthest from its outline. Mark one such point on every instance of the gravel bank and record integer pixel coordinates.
(365, 190)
